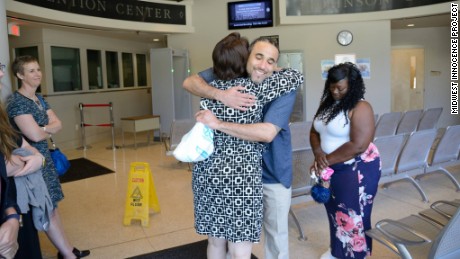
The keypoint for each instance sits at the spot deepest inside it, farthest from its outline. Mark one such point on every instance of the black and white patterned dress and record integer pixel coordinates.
(227, 186)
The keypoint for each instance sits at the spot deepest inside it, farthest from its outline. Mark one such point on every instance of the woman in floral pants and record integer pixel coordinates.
(341, 136)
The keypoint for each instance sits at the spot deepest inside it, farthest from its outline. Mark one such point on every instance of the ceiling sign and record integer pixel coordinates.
(129, 10)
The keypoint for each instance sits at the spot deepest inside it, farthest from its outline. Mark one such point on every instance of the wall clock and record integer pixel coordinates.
(344, 38)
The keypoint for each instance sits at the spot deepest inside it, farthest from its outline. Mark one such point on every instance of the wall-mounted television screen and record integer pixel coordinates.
(250, 14)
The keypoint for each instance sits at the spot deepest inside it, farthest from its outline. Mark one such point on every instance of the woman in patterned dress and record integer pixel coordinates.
(227, 186)
(341, 138)
(37, 122)
(12, 236)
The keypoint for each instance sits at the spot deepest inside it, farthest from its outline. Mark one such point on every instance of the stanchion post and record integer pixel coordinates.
(82, 128)
(112, 123)
(83, 124)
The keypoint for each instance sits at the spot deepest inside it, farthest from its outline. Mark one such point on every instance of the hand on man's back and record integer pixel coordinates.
(235, 98)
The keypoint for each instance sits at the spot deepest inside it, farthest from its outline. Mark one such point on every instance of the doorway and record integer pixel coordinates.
(407, 79)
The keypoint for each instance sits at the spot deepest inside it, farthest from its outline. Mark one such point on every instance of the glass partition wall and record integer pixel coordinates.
(78, 69)
(111, 62)
(66, 69)
(94, 59)
(128, 69)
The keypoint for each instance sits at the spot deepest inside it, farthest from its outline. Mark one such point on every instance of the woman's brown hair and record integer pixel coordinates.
(230, 56)
(8, 136)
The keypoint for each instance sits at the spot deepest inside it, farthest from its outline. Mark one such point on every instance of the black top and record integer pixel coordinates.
(8, 193)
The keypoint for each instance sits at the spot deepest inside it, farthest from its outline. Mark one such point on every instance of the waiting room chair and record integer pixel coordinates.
(302, 159)
(389, 148)
(409, 121)
(430, 118)
(387, 124)
(445, 154)
(416, 237)
(300, 134)
(440, 212)
(413, 159)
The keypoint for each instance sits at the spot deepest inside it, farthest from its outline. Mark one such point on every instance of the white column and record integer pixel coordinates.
(4, 53)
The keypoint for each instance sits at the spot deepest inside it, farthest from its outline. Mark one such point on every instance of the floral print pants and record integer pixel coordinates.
(353, 188)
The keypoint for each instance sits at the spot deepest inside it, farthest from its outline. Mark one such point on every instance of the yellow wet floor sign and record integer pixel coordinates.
(141, 194)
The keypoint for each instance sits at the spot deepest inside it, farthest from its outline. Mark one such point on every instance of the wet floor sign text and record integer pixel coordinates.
(141, 195)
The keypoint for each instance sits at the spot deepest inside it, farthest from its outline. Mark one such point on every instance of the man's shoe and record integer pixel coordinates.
(77, 253)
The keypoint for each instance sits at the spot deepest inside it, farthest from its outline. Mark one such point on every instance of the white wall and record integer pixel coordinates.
(436, 43)
(317, 42)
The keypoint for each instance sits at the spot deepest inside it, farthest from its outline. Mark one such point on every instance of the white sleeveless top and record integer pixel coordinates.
(335, 133)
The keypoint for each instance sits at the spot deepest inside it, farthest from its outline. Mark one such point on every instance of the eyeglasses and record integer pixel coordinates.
(2, 67)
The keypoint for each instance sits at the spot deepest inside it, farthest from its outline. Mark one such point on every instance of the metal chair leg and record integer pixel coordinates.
(301, 237)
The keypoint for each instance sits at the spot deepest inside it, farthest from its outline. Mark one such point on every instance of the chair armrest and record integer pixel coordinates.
(404, 228)
(436, 207)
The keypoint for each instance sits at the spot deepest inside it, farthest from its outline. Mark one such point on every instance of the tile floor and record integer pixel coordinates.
(93, 209)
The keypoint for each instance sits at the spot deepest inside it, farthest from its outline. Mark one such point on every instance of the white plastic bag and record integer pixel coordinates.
(196, 145)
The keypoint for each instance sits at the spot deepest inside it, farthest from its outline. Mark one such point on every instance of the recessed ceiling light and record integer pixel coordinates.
(410, 25)
(156, 39)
